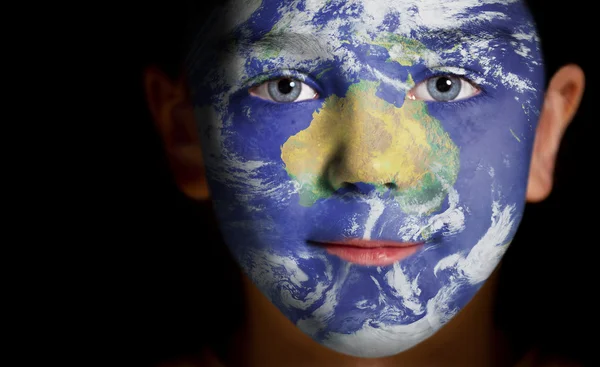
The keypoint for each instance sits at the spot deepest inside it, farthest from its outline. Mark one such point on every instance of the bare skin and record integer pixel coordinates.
(268, 338)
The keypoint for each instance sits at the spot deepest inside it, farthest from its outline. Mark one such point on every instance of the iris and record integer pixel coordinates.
(284, 90)
(444, 88)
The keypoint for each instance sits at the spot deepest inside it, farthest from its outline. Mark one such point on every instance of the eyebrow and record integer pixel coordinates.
(450, 37)
(304, 44)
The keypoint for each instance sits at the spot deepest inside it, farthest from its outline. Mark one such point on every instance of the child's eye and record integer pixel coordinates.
(443, 88)
(284, 90)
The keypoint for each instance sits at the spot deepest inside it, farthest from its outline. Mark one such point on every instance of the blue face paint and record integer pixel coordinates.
(334, 130)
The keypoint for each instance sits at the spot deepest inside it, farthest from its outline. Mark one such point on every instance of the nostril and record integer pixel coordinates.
(347, 185)
(391, 186)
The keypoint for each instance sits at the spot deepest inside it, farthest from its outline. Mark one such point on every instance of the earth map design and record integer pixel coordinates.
(459, 168)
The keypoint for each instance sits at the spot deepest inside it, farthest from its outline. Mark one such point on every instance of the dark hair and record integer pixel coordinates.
(171, 31)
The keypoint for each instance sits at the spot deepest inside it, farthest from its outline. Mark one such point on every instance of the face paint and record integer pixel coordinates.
(368, 160)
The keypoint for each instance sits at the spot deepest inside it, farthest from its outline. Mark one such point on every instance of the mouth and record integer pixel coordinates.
(369, 252)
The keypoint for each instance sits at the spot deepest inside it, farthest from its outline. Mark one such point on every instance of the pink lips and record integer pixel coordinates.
(371, 252)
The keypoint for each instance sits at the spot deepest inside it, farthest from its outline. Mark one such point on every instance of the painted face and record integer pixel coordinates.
(368, 160)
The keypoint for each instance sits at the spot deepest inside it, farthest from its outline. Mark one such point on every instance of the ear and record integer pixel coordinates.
(172, 112)
(560, 104)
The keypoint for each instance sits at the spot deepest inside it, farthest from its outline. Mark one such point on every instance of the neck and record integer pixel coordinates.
(269, 339)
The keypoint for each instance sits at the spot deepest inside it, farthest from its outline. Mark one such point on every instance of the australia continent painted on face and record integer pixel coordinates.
(404, 147)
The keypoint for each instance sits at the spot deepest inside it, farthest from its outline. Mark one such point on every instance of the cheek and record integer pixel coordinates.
(258, 129)
(494, 131)
(495, 137)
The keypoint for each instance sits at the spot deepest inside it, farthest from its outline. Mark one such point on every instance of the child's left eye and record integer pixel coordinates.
(443, 88)
(284, 90)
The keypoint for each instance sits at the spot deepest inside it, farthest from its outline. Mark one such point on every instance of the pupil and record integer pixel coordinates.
(285, 86)
(443, 84)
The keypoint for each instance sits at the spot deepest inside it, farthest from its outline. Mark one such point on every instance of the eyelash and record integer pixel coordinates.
(306, 78)
(285, 73)
(436, 73)
(463, 103)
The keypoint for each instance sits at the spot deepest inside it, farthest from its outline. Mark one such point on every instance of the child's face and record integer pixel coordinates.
(359, 122)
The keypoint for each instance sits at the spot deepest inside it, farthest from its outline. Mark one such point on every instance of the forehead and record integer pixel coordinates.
(481, 34)
(403, 17)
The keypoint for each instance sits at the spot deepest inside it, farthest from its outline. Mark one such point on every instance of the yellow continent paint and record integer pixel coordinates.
(363, 138)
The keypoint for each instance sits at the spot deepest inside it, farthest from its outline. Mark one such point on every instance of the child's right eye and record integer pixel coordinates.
(443, 88)
(284, 90)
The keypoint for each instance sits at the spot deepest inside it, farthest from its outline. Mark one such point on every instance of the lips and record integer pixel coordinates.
(370, 252)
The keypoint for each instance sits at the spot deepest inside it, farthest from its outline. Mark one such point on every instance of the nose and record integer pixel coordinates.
(353, 171)
(361, 142)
